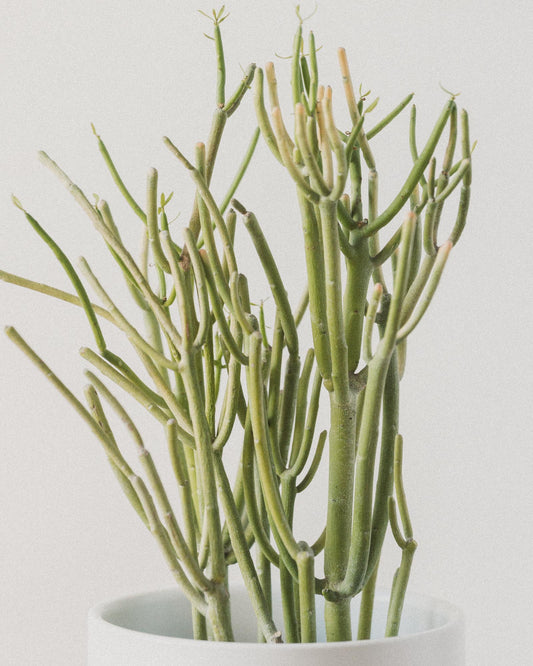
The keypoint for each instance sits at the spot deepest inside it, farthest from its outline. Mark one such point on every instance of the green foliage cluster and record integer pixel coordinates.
(210, 370)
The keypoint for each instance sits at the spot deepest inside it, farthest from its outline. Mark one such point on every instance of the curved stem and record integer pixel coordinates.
(48, 290)
(414, 176)
(244, 559)
(261, 442)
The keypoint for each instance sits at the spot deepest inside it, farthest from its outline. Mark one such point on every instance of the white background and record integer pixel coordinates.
(141, 69)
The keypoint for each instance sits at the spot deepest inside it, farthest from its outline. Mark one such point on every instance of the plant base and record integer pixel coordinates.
(155, 628)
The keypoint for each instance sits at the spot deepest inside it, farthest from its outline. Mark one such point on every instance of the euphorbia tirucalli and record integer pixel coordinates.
(214, 374)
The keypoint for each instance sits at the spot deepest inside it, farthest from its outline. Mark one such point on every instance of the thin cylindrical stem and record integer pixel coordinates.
(385, 481)
(337, 146)
(244, 559)
(359, 269)
(241, 170)
(118, 180)
(296, 78)
(158, 490)
(201, 286)
(263, 119)
(315, 463)
(181, 472)
(405, 541)
(399, 587)
(95, 408)
(334, 310)
(73, 277)
(156, 528)
(324, 145)
(112, 452)
(275, 282)
(413, 177)
(425, 299)
(389, 117)
(155, 305)
(207, 197)
(48, 290)
(221, 67)
(147, 398)
(353, 107)
(306, 586)
(300, 409)
(314, 260)
(220, 317)
(152, 222)
(308, 157)
(373, 241)
(366, 609)
(370, 319)
(233, 102)
(268, 479)
(289, 592)
(252, 508)
(366, 447)
(285, 149)
(122, 322)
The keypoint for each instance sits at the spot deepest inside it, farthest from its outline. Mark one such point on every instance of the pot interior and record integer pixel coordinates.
(167, 613)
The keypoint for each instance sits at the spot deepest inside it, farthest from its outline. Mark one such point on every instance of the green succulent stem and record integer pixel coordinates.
(359, 268)
(366, 609)
(305, 561)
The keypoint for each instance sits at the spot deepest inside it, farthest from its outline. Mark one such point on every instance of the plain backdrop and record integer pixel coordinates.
(142, 69)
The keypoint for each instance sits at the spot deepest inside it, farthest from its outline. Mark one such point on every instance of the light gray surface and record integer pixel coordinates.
(133, 68)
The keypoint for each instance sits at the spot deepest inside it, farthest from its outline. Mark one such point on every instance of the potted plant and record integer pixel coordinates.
(214, 370)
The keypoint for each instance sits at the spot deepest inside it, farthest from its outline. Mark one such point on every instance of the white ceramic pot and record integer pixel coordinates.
(154, 629)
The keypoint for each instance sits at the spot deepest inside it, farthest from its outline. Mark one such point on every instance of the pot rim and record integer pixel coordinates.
(454, 617)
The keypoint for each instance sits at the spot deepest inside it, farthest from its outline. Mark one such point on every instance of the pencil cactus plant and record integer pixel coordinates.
(210, 371)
